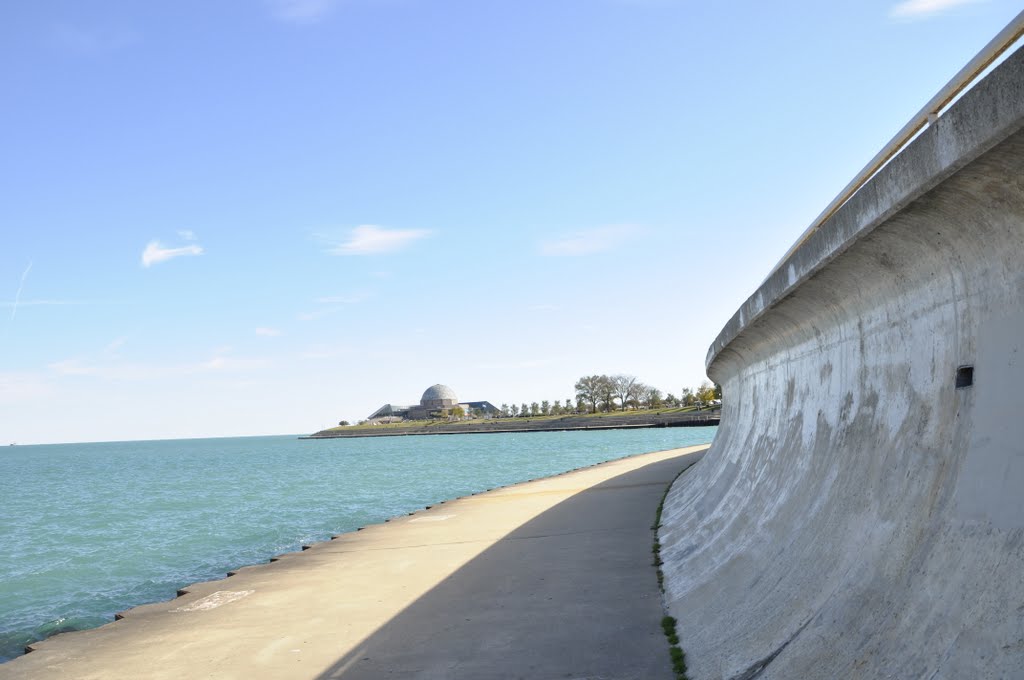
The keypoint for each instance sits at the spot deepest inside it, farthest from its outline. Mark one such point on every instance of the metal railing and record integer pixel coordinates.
(927, 115)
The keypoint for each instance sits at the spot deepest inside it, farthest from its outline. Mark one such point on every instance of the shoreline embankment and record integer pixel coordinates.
(510, 425)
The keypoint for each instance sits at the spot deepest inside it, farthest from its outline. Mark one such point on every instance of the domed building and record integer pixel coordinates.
(435, 400)
(438, 397)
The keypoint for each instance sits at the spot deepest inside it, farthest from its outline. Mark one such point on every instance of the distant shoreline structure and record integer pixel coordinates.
(436, 401)
(511, 425)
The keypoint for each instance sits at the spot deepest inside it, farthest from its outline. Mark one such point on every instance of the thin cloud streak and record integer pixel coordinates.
(369, 239)
(137, 371)
(21, 285)
(39, 303)
(318, 314)
(321, 352)
(337, 302)
(301, 11)
(920, 9)
(355, 298)
(589, 241)
(89, 41)
(518, 365)
(155, 252)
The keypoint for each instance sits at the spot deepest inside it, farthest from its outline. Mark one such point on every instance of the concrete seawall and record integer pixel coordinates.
(858, 514)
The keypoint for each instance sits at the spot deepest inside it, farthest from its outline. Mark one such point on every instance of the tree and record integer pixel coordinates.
(622, 388)
(344, 423)
(569, 408)
(688, 398)
(638, 395)
(524, 411)
(504, 410)
(534, 409)
(671, 400)
(545, 408)
(556, 409)
(705, 393)
(589, 390)
(718, 391)
(653, 398)
(458, 412)
(514, 410)
(607, 393)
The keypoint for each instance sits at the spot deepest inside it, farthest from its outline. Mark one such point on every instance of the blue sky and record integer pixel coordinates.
(241, 218)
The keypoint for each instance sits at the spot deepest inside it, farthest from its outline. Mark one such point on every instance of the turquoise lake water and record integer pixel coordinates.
(87, 530)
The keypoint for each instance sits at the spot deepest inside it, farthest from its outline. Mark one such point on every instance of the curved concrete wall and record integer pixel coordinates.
(857, 515)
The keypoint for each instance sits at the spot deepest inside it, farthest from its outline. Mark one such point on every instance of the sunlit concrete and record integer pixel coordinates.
(858, 516)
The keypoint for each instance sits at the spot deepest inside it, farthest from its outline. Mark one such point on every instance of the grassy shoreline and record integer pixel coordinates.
(675, 417)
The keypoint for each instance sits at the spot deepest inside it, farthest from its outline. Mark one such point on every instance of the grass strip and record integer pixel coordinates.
(668, 623)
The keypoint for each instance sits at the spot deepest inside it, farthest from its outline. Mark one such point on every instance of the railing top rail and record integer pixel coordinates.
(928, 114)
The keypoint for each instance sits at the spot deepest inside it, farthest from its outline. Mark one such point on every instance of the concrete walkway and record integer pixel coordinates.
(547, 579)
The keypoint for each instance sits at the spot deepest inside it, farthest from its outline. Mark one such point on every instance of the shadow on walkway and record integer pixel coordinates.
(570, 594)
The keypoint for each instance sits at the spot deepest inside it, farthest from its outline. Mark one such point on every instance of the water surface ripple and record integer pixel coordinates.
(87, 530)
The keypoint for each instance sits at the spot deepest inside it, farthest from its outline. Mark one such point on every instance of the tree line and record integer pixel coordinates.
(618, 392)
(621, 392)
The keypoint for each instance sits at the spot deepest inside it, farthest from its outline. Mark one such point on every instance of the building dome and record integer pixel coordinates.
(439, 396)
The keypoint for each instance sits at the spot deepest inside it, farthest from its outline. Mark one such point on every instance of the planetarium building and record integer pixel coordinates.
(435, 400)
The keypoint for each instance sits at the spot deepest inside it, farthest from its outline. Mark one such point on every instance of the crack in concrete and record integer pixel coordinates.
(758, 667)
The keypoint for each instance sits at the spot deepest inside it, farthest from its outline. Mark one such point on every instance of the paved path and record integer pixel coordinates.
(547, 579)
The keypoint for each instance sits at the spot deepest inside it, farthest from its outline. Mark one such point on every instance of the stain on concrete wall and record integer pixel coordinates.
(858, 515)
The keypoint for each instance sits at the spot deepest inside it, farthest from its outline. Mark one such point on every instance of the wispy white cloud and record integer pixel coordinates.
(590, 241)
(336, 302)
(17, 295)
(517, 365)
(920, 9)
(321, 352)
(52, 303)
(187, 234)
(73, 367)
(230, 364)
(91, 40)
(318, 313)
(17, 388)
(114, 346)
(268, 332)
(155, 252)
(369, 239)
(301, 11)
(111, 370)
(352, 299)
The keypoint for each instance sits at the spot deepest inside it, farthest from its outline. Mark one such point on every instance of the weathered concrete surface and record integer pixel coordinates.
(857, 516)
(547, 579)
